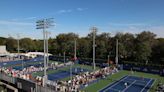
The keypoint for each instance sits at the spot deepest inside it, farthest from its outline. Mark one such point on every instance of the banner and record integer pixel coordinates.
(143, 69)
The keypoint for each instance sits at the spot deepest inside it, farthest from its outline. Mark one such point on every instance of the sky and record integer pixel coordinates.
(78, 16)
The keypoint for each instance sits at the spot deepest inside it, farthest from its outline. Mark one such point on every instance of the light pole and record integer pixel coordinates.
(116, 52)
(71, 73)
(75, 57)
(18, 46)
(94, 30)
(108, 61)
(18, 43)
(75, 50)
(47, 33)
(45, 24)
(64, 57)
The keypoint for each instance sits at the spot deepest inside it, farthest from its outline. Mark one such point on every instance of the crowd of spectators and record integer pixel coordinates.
(26, 73)
(160, 87)
(8, 59)
(12, 58)
(56, 65)
(83, 79)
(39, 79)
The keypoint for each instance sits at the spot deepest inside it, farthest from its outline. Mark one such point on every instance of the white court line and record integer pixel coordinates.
(128, 86)
(152, 85)
(111, 84)
(115, 84)
(114, 89)
(146, 85)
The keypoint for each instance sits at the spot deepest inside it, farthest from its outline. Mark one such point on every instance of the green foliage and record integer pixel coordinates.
(11, 44)
(65, 43)
(158, 52)
(140, 47)
(2, 41)
(143, 47)
(27, 44)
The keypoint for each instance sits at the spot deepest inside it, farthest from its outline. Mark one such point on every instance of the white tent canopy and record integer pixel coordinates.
(3, 50)
(34, 54)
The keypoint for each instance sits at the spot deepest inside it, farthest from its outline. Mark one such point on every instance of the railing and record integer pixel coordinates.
(7, 78)
(44, 89)
(25, 85)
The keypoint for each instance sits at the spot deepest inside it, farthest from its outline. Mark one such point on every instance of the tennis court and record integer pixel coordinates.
(63, 74)
(134, 84)
(19, 62)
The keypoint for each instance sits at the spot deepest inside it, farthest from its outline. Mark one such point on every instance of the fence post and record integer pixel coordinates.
(36, 87)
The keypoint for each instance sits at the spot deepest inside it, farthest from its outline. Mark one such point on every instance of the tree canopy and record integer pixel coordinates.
(141, 47)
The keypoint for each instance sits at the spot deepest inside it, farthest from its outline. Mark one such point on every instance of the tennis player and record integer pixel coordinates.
(126, 84)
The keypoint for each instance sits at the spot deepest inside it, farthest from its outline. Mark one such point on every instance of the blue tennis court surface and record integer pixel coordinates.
(19, 62)
(59, 75)
(134, 84)
(63, 74)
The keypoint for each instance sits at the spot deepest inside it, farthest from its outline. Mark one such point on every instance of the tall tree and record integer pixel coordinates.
(126, 45)
(27, 44)
(158, 52)
(84, 48)
(102, 45)
(143, 47)
(2, 41)
(11, 44)
(66, 43)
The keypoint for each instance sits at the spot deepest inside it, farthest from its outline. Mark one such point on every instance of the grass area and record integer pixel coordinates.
(2, 89)
(85, 67)
(51, 61)
(102, 83)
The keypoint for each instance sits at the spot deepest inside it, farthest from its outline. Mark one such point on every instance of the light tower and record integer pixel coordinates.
(108, 60)
(94, 30)
(64, 56)
(18, 45)
(116, 61)
(75, 56)
(45, 24)
(47, 33)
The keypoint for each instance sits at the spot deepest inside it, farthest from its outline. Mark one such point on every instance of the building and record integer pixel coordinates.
(3, 50)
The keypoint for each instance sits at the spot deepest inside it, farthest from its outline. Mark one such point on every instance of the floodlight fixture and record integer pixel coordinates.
(45, 24)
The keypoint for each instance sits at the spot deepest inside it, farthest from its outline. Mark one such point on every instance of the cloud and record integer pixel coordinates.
(64, 11)
(27, 18)
(25, 29)
(158, 30)
(136, 28)
(127, 24)
(81, 9)
(4, 22)
(30, 18)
